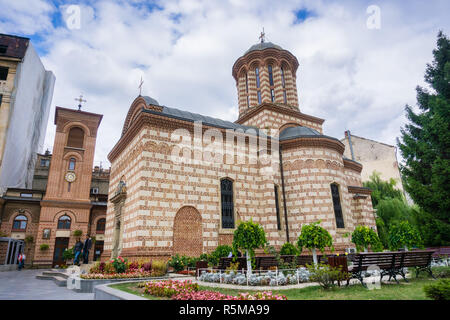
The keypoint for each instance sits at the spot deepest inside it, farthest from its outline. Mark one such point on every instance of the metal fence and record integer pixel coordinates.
(9, 250)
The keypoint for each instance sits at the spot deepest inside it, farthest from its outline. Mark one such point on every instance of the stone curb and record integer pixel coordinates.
(104, 292)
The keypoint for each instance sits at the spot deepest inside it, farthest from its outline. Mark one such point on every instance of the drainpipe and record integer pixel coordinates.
(347, 133)
(284, 195)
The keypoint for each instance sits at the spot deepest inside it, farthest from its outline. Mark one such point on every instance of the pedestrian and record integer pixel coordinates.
(77, 252)
(21, 259)
(86, 248)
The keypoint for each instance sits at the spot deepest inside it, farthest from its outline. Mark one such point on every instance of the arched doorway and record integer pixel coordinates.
(187, 232)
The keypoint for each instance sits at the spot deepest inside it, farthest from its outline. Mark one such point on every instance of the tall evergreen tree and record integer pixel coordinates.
(425, 140)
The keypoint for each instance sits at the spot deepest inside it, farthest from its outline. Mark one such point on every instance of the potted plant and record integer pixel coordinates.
(78, 233)
(44, 247)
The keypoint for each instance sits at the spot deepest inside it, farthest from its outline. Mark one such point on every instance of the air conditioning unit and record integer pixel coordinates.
(350, 250)
(94, 190)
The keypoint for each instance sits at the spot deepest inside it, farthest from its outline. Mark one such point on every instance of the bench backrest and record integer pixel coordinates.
(395, 259)
(417, 258)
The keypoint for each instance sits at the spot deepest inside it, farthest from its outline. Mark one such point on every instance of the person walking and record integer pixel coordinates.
(86, 248)
(21, 260)
(77, 252)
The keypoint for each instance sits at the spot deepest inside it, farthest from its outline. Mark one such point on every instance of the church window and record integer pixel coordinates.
(337, 205)
(283, 83)
(248, 101)
(101, 225)
(3, 49)
(270, 75)
(76, 138)
(272, 95)
(64, 222)
(257, 77)
(20, 223)
(226, 191)
(277, 207)
(45, 162)
(284, 96)
(72, 162)
(246, 83)
(259, 97)
(3, 73)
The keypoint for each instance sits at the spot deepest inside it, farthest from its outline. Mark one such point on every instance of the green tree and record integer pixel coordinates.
(403, 235)
(425, 139)
(314, 237)
(249, 236)
(381, 189)
(364, 237)
(288, 249)
(432, 231)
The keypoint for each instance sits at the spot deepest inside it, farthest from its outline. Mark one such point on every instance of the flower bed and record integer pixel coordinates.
(126, 275)
(187, 290)
(269, 278)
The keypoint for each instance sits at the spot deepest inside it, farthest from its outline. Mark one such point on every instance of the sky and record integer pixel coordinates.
(360, 61)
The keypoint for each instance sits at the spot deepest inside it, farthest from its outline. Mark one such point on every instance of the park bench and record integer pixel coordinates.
(225, 263)
(390, 263)
(440, 252)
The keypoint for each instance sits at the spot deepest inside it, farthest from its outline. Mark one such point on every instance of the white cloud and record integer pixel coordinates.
(354, 78)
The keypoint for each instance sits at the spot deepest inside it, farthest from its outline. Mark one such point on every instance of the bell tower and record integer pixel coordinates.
(266, 73)
(66, 205)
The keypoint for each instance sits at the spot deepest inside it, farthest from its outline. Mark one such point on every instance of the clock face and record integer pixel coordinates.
(70, 176)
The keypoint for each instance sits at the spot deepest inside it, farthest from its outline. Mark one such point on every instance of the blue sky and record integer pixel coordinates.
(354, 77)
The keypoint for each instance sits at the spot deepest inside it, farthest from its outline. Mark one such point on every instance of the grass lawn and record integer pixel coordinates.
(403, 291)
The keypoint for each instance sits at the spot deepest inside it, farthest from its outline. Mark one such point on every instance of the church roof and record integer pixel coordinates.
(192, 117)
(296, 132)
(262, 46)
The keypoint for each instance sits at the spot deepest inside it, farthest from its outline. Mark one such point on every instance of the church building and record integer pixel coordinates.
(159, 206)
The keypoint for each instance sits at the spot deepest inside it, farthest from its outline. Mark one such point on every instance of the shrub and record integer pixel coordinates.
(325, 275)
(403, 234)
(133, 266)
(109, 269)
(119, 264)
(44, 247)
(147, 266)
(68, 254)
(29, 239)
(159, 268)
(78, 233)
(220, 252)
(288, 249)
(439, 290)
(177, 263)
(191, 261)
(441, 272)
(314, 237)
(364, 237)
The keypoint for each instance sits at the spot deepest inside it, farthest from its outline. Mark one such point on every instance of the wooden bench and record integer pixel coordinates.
(224, 263)
(390, 263)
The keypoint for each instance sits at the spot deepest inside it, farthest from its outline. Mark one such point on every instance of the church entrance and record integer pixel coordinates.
(61, 244)
(187, 232)
(98, 249)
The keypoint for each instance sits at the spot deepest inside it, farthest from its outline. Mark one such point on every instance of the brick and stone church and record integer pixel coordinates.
(176, 187)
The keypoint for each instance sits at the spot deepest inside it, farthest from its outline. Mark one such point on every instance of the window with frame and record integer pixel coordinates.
(45, 162)
(20, 223)
(76, 138)
(259, 97)
(272, 95)
(72, 163)
(257, 77)
(226, 193)
(101, 225)
(64, 222)
(3, 73)
(337, 205)
(277, 207)
(270, 75)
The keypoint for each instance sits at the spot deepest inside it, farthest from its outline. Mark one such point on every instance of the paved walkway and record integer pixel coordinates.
(23, 285)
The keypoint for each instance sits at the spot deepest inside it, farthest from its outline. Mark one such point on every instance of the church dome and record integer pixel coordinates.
(262, 46)
(150, 101)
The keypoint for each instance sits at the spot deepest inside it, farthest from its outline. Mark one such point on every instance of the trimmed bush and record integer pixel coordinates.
(439, 290)
(288, 249)
(44, 247)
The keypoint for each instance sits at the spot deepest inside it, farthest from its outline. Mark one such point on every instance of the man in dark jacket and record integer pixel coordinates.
(77, 252)
(86, 248)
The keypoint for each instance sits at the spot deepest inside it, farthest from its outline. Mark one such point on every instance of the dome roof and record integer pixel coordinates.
(150, 101)
(262, 46)
(296, 132)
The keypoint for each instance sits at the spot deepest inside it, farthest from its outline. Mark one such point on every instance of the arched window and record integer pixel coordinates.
(226, 192)
(257, 77)
(20, 223)
(277, 207)
(101, 225)
(283, 83)
(76, 138)
(72, 162)
(337, 205)
(64, 222)
(270, 75)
